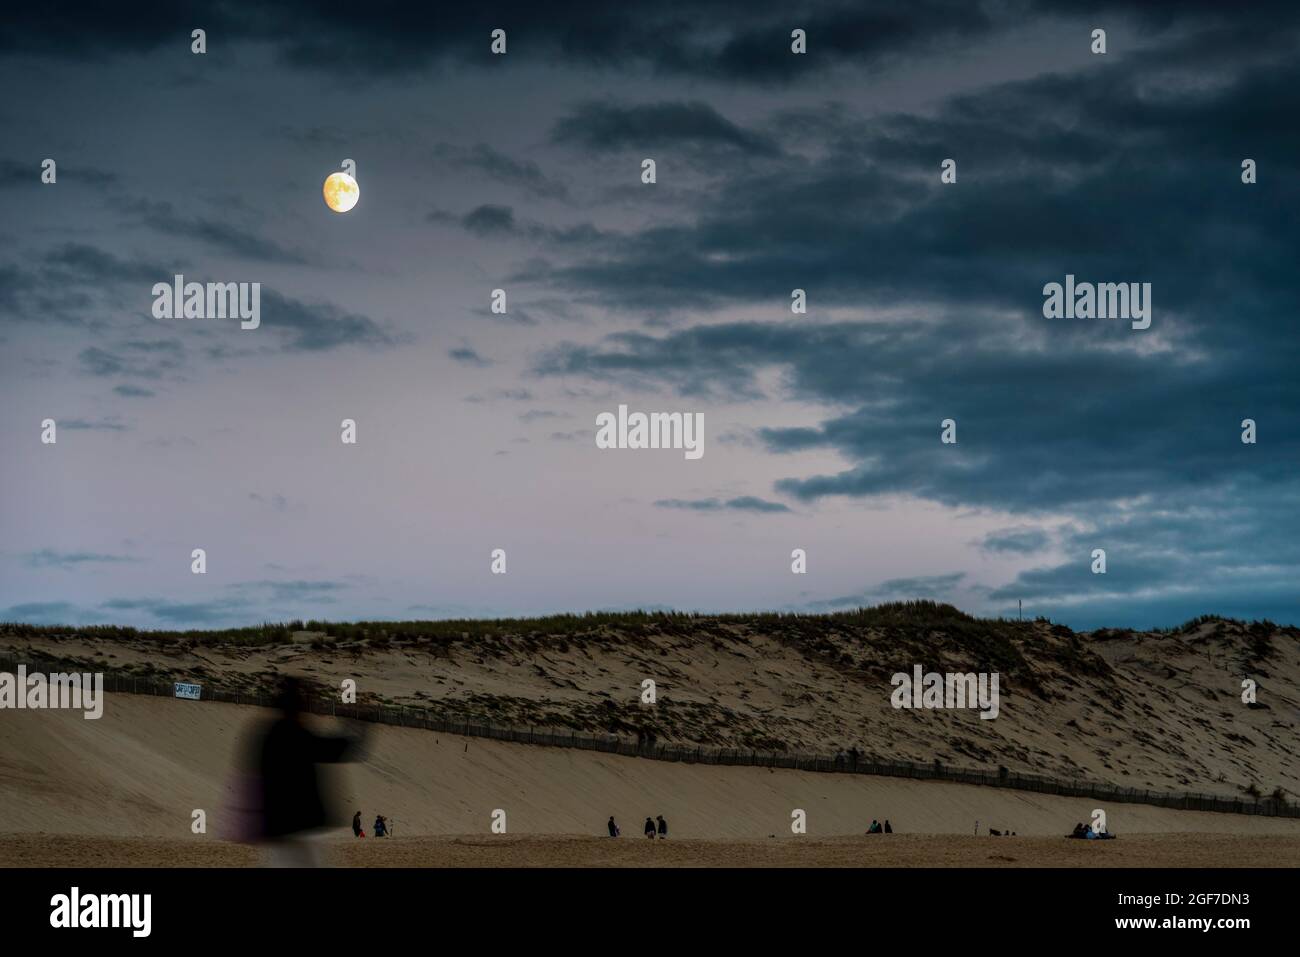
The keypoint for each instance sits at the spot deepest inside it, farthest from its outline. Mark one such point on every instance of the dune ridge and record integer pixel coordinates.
(1159, 710)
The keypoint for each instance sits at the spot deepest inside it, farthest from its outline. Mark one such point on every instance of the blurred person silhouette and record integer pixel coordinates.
(613, 828)
(290, 802)
(356, 825)
(663, 828)
(650, 828)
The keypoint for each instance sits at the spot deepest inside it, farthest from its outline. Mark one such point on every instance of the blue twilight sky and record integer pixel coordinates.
(775, 171)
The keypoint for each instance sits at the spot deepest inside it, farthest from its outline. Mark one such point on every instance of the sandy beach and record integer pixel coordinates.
(122, 790)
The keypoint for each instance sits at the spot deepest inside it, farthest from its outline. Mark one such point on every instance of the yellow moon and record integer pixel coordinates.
(341, 192)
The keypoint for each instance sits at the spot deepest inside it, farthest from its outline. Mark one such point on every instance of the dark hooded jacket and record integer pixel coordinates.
(291, 794)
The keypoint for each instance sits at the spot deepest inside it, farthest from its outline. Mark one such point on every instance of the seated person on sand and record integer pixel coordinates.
(888, 829)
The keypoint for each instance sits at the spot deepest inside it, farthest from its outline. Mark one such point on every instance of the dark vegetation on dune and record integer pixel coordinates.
(991, 636)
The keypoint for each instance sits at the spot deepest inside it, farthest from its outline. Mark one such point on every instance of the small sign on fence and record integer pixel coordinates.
(184, 690)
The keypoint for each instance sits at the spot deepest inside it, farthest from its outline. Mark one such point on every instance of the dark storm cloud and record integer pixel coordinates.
(226, 237)
(139, 358)
(969, 261)
(15, 285)
(525, 175)
(49, 293)
(89, 281)
(719, 360)
(81, 263)
(1240, 537)
(77, 284)
(1127, 174)
(743, 503)
(1149, 422)
(604, 127)
(700, 37)
(1125, 170)
(493, 221)
(317, 327)
(1051, 173)
(1235, 553)
(488, 220)
(706, 38)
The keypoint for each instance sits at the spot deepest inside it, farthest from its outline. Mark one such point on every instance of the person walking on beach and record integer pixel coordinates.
(650, 828)
(292, 803)
(356, 824)
(663, 828)
(613, 828)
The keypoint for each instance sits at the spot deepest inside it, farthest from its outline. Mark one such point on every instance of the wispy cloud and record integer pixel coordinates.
(743, 503)
(49, 558)
(467, 356)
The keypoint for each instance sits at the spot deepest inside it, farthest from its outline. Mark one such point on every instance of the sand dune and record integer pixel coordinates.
(140, 770)
(1159, 710)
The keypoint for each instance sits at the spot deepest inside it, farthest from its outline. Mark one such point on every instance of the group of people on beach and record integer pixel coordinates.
(651, 828)
(878, 828)
(381, 828)
(1085, 832)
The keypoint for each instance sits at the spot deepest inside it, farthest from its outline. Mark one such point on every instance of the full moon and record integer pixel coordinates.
(341, 192)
